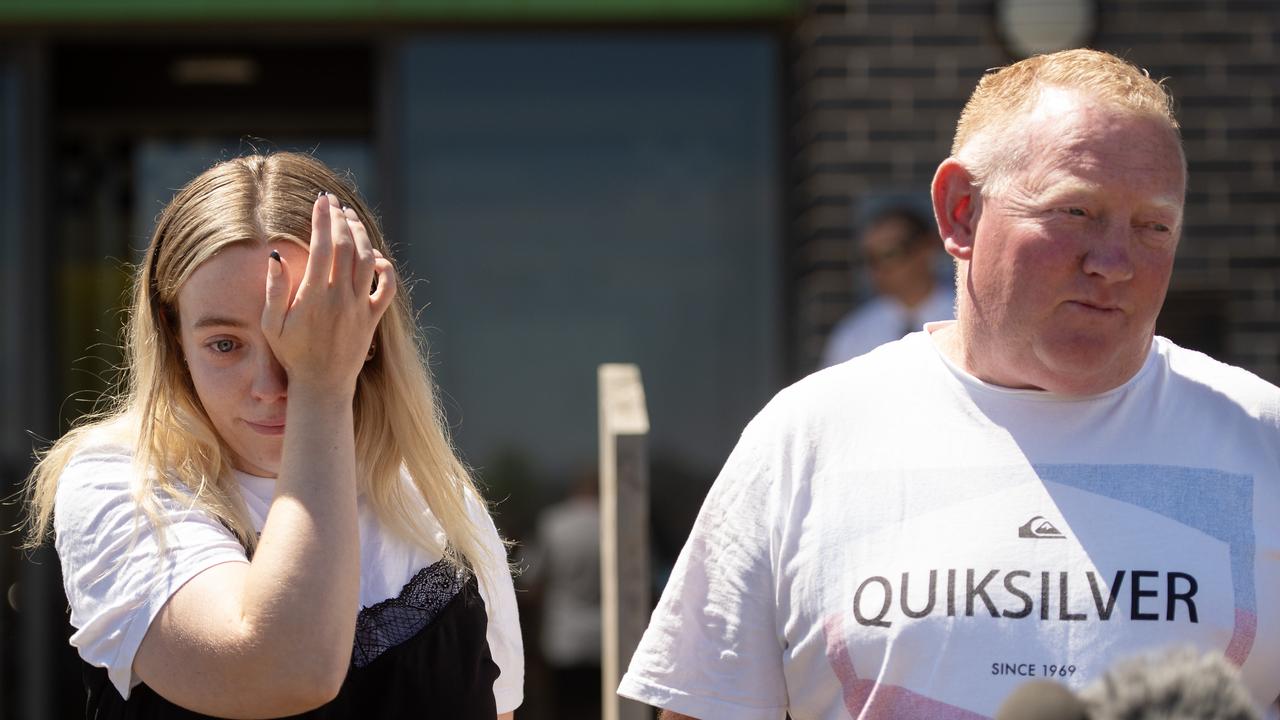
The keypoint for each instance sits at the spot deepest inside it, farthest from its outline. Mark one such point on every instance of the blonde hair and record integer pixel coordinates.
(398, 423)
(1002, 97)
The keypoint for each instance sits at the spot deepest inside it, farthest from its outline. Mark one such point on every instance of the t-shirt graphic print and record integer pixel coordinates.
(1054, 571)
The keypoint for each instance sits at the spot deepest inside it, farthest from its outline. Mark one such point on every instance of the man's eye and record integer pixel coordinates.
(1077, 212)
(1155, 227)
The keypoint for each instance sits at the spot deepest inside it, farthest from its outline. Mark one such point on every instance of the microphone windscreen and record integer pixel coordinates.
(1180, 684)
(1041, 700)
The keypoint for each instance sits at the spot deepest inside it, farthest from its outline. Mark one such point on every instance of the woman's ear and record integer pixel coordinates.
(957, 203)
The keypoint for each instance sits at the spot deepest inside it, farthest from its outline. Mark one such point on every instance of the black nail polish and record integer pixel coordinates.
(275, 256)
(320, 194)
(343, 206)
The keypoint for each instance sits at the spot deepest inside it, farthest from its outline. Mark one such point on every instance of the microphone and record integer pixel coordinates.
(1182, 684)
(1042, 700)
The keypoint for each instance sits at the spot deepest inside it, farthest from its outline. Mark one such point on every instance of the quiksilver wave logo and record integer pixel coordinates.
(1039, 528)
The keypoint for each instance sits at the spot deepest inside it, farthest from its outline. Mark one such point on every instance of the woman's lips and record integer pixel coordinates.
(267, 427)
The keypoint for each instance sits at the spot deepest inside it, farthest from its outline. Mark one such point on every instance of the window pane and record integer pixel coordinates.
(163, 166)
(575, 200)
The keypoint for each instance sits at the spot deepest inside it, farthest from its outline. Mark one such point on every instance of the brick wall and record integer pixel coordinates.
(878, 85)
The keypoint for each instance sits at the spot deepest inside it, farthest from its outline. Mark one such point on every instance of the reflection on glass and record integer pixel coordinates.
(575, 200)
(161, 167)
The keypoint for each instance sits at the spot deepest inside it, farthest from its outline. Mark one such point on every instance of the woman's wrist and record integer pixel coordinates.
(315, 401)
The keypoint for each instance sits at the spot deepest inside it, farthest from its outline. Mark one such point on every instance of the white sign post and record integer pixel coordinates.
(624, 529)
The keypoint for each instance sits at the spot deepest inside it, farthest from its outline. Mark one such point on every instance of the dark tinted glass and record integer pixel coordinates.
(572, 200)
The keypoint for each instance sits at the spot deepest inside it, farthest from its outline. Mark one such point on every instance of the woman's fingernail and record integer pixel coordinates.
(320, 194)
(275, 256)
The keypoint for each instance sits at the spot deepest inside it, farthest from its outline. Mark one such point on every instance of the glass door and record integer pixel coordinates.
(118, 152)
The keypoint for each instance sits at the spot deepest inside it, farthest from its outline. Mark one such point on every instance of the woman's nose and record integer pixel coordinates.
(270, 381)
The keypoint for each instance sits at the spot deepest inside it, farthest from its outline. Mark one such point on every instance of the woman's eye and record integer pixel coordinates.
(223, 346)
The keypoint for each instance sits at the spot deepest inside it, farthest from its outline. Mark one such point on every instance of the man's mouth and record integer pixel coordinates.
(1092, 306)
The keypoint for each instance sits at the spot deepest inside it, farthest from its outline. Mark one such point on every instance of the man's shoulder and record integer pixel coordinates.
(1214, 382)
(883, 370)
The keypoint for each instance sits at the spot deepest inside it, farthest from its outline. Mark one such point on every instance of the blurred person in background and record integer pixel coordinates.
(564, 571)
(1034, 490)
(899, 247)
(270, 519)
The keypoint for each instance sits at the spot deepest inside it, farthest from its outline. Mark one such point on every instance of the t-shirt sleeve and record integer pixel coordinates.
(503, 632)
(114, 574)
(713, 647)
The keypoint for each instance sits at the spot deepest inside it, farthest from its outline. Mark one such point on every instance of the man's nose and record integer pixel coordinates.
(1109, 254)
(269, 378)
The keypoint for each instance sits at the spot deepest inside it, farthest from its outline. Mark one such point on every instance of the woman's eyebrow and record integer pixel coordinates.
(218, 321)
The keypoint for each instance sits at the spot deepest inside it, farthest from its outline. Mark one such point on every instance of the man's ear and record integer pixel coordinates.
(957, 202)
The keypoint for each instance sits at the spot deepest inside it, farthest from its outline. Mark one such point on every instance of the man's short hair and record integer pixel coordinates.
(919, 230)
(1004, 95)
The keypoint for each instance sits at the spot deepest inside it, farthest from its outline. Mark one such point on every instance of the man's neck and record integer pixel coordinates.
(950, 340)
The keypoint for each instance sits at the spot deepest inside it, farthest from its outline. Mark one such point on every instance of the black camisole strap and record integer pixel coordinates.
(421, 654)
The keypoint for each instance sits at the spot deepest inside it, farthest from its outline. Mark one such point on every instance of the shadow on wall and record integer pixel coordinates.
(1196, 319)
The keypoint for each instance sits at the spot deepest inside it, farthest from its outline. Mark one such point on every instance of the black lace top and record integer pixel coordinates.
(421, 654)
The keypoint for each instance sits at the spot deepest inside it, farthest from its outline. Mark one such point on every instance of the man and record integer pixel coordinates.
(1037, 489)
(898, 248)
(563, 572)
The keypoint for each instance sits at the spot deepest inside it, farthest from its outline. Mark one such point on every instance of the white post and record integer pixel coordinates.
(624, 529)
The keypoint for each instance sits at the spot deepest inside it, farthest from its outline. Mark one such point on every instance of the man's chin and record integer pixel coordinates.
(1081, 368)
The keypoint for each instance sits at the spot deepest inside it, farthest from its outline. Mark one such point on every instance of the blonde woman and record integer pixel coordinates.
(271, 521)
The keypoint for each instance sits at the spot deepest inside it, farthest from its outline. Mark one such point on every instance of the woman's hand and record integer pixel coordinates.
(322, 337)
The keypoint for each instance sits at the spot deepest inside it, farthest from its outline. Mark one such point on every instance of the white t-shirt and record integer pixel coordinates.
(883, 319)
(894, 538)
(116, 581)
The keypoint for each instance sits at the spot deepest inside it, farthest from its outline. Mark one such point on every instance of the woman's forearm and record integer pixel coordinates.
(302, 591)
(273, 637)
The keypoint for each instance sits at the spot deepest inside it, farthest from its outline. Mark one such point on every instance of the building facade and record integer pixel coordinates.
(676, 183)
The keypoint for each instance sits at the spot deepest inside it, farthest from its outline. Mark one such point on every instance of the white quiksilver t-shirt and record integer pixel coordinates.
(117, 581)
(895, 538)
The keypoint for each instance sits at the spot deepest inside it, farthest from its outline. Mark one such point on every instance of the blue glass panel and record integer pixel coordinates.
(572, 200)
(161, 167)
